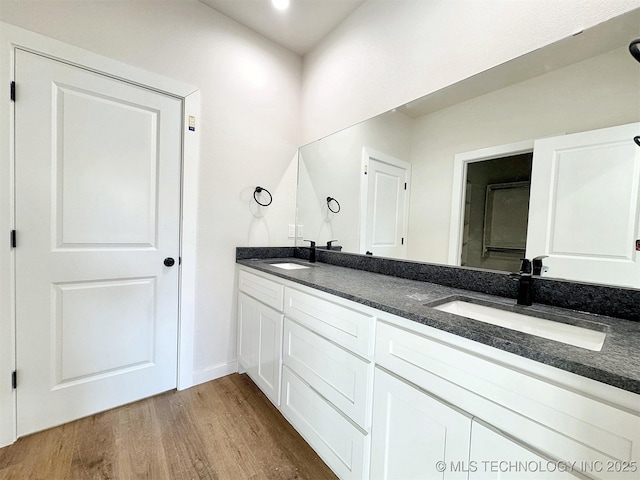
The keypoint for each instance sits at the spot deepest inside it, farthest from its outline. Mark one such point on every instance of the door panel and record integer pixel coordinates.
(584, 209)
(385, 219)
(89, 340)
(89, 159)
(97, 211)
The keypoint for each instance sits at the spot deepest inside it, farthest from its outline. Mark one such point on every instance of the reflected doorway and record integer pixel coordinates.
(496, 212)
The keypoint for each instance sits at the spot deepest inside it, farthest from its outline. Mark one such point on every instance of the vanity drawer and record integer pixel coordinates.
(340, 444)
(267, 291)
(563, 424)
(346, 326)
(338, 375)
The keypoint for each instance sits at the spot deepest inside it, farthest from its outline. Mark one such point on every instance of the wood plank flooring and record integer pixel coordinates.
(224, 429)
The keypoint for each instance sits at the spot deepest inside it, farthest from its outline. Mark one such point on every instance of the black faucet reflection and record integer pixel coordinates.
(525, 283)
(538, 267)
(312, 252)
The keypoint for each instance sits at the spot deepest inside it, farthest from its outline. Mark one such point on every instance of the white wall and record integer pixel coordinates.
(390, 52)
(250, 91)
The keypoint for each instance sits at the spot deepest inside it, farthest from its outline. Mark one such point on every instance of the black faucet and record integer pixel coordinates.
(329, 244)
(525, 283)
(312, 253)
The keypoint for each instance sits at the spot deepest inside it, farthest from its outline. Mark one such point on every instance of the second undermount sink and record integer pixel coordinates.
(553, 330)
(289, 266)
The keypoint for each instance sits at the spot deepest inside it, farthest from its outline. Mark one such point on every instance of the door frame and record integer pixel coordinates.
(458, 197)
(367, 154)
(11, 38)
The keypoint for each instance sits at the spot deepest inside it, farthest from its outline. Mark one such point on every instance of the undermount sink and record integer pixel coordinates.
(289, 266)
(552, 330)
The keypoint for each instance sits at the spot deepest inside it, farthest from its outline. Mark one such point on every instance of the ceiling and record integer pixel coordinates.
(299, 28)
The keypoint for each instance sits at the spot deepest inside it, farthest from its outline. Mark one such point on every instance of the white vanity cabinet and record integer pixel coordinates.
(566, 419)
(260, 332)
(416, 436)
(381, 397)
(328, 377)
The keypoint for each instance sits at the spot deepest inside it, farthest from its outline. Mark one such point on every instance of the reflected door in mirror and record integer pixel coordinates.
(385, 200)
(585, 206)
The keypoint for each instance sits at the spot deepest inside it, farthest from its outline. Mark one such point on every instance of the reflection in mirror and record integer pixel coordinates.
(580, 84)
(496, 210)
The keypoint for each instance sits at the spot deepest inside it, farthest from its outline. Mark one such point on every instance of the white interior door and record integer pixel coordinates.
(584, 210)
(385, 216)
(97, 176)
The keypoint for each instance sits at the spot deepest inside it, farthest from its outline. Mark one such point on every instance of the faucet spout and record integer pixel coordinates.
(312, 252)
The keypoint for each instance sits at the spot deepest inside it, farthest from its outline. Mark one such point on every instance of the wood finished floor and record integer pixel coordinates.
(224, 429)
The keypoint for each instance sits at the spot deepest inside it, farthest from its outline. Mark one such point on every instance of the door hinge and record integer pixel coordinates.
(13, 91)
(405, 185)
(14, 242)
(14, 379)
(402, 241)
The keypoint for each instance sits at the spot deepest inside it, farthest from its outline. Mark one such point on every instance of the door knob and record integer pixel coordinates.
(169, 262)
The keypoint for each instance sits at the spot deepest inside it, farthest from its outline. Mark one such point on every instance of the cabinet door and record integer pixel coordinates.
(496, 457)
(415, 436)
(260, 344)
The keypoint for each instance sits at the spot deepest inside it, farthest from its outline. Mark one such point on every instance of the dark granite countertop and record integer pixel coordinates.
(617, 364)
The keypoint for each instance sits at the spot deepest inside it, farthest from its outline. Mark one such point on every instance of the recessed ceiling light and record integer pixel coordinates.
(280, 4)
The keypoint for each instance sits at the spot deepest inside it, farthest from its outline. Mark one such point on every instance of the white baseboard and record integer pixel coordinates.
(211, 373)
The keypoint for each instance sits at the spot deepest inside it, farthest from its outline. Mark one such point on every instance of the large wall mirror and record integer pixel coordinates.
(533, 157)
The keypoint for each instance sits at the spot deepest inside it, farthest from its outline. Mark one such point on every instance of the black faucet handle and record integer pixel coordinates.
(538, 267)
(329, 244)
(312, 243)
(525, 266)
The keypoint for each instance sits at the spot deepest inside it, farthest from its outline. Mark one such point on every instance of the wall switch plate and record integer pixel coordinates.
(292, 230)
(300, 231)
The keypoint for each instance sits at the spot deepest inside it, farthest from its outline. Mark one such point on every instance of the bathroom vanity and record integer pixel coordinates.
(383, 385)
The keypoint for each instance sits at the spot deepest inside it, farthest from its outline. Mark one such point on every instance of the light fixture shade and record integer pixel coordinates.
(280, 4)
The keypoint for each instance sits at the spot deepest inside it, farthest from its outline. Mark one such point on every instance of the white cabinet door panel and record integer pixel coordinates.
(414, 436)
(260, 344)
